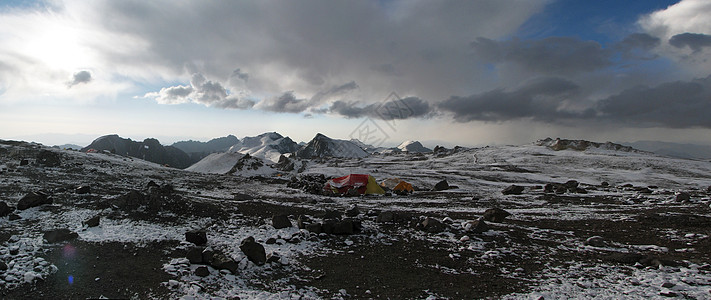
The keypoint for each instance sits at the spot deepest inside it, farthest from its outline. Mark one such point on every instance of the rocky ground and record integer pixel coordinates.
(566, 225)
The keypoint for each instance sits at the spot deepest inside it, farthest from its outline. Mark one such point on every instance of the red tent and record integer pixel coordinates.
(364, 184)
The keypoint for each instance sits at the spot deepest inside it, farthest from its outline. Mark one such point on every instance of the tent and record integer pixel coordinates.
(390, 183)
(361, 183)
(403, 187)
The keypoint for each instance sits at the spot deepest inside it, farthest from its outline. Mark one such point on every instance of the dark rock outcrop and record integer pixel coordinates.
(495, 215)
(48, 158)
(254, 251)
(60, 235)
(150, 150)
(513, 190)
(441, 186)
(4, 209)
(197, 237)
(281, 221)
(92, 222)
(33, 199)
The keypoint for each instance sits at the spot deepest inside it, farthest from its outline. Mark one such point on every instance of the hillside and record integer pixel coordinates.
(198, 150)
(323, 146)
(149, 150)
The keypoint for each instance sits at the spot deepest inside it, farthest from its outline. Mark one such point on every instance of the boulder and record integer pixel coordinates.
(222, 261)
(207, 255)
(33, 199)
(84, 189)
(432, 225)
(281, 221)
(343, 227)
(24, 162)
(60, 235)
(476, 226)
(596, 241)
(48, 158)
(4, 209)
(314, 227)
(194, 255)
(3, 266)
(242, 197)
(13, 217)
(495, 215)
(254, 251)
(571, 184)
(441, 186)
(513, 190)
(202, 271)
(385, 217)
(682, 197)
(197, 237)
(273, 257)
(271, 241)
(328, 226)
(92, 222)
(352, 211)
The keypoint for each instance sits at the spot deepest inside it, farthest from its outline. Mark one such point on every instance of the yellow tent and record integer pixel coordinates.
(373, 187)
(403, 187)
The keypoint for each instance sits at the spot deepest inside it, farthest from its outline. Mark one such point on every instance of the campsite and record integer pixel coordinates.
(513, 222)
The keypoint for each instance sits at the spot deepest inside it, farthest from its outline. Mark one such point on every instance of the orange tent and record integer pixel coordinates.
(403, 187)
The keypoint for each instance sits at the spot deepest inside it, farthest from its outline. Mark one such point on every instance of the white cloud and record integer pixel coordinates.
(201, 91)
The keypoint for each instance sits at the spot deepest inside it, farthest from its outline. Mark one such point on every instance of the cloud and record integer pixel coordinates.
(679, 104)
(553, 55)
(695, 41)
(638, 45)
(286, 103)
(79, 77)
(202, 91)
(543, 99)
(396, 109)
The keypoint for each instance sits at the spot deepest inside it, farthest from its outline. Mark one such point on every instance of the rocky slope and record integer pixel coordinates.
(198, 150)
(149, 150)
(323, 146)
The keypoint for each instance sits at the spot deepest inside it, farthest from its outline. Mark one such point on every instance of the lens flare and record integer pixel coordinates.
(69, 251)
(70, 278)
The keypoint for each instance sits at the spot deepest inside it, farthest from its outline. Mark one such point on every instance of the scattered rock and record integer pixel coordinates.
(495, 215)
(255, 251)
(60, 235)
(441, 186)
(571, 184)
(84, 189)
(4, 209)
(24, 162)
(682, 197)
(197, 237)
(604, 184)
(222, 261)
(352, 211)
(596, 241)
(432, 225)
(301, 221)
(3, 266)
(669, 294)
(271, 241)
(281, 221)
(314, 227)
(513, 190)
(202, 271)
(48, 158)
(194, 255)
(476, 226)
(668, 285)
(92, 222)
(33, 199)
(386, 217)
(273, 257)
(242, 197)
(343, 227)
(13, 217)
(207, 255)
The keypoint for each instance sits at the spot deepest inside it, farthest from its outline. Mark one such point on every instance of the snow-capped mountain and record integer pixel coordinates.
(323, 146)
(198, 150)
(269, 146)
(216, 163)
(582, 145)
(413, 147)
(150, 150)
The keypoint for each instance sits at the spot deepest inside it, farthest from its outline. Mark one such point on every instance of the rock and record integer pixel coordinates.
(151, 184)
(24, 162)
(476, 226)
(682, 197)
(441, 186)
(343, 227)
(668, 285)
(301, 221)
(327, 226)
(223, 262)
(314, 227)
(281, 221)
(13, 217)
(242, 197)
(14, 250)
(92, 222)
(33, 199)
(3, 266)
(604, 184)
(207, 255)
(202, 271)
(254, 251)
(432, 225)
(197, 237)
(273, 257)
(495, 215)
(353, 211)
(513, 190)
(48, 158)
(596, 241)
(194, 255)
(60, 235)
(4, 209)
(271, 241)
(571, 184)
(386, 217)
(669, 294)
(84, 189)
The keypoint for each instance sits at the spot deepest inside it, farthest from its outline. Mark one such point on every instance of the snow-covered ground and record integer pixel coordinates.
(540, 250)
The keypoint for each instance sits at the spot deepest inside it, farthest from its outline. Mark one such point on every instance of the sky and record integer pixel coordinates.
(441, 72)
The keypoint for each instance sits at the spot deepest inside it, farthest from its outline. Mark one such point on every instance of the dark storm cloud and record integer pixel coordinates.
(286, 103)
(397, 109)
(553, 55)
(677, 104)
(238, 73)
(695, 41)
(541, 100)
(335, 91)
(80, 77)
(637, 45)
